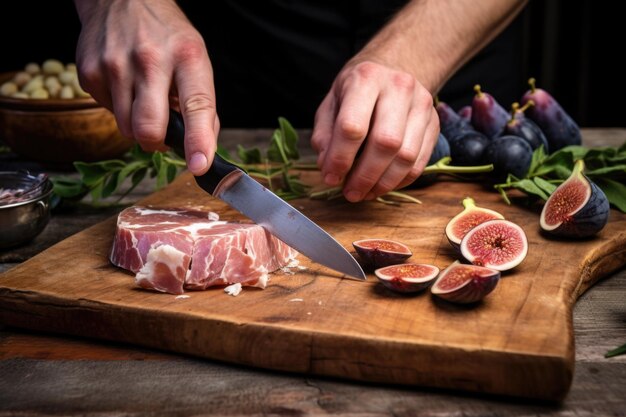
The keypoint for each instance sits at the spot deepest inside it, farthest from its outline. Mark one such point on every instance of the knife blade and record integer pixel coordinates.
(232, 185)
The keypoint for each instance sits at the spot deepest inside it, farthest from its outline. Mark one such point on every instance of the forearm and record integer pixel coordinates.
(432, 39)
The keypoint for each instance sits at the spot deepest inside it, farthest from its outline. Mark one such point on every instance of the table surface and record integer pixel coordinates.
(45, 374)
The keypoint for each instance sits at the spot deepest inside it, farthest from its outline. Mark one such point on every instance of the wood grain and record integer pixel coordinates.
(519, 341)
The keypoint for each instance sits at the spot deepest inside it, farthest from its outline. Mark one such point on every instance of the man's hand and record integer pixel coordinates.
(139, 58)
(393, 111)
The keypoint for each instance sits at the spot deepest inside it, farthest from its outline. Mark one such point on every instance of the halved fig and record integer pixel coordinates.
(466, 220)
(495, 244)
(408, 277)
(577, 208)
(382, 252)
(464, 284)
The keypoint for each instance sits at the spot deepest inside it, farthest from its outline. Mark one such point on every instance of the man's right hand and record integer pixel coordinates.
(138, 58)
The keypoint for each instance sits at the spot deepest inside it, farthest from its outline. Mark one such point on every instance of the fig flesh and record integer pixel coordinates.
(466, 220)
(378, 253)
(496, 244)
(408, 277)
(578, 208)
(464, 284)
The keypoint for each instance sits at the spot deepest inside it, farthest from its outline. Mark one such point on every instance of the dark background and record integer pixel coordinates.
(575, 50)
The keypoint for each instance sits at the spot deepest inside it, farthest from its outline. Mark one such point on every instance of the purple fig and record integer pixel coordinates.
(488, 116)
(509, 155)
(466, 113)
(407, 278)
(560, 129)
(525, 128)
(465, 284)
(450, 122)
(578, 208)
(377, 253)
(467, 148)
(471, 216)
(497, 244)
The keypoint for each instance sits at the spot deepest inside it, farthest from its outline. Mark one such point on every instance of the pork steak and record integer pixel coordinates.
(173, 249)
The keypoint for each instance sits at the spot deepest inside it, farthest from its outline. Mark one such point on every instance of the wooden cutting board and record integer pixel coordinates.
(518, 341)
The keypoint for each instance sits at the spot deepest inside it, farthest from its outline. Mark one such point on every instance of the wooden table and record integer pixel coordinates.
(43, 374)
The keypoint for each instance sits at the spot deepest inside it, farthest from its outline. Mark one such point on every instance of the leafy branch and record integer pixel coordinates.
(100, 180)
(606, 167)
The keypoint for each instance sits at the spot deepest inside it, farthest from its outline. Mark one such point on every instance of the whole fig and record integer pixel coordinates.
(558, 126)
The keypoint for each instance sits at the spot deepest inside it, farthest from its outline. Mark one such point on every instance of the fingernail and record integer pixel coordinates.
(332, 179)
(197, 163)
(353, 196)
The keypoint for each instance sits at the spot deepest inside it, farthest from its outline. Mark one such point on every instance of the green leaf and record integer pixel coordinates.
(537, 159)
(276, 149)
(96, 192)
(110, 184)
(171, 173)
(617, 351)
(615, 192)
(606, 170)
(546, 186)
(91, 174)
(290, 138)
(68, 187)
(249, 156)
(529, 187)
(138, 176)
(128, 170)
(157, 160)
(139, 154)
(223, 152)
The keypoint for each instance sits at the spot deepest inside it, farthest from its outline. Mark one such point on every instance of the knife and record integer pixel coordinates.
(232, 185)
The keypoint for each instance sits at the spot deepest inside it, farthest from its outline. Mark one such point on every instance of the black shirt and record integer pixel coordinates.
(280, 57)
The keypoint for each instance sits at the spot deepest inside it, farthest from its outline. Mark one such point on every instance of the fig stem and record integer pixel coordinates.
(442, 167)
(479, 93)
(531, 83)
(525, 107)
(468, 202)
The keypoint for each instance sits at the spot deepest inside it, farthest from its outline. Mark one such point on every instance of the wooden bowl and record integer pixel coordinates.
(57, 132)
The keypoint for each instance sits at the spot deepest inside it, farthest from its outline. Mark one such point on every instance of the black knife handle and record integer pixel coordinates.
(175, 139)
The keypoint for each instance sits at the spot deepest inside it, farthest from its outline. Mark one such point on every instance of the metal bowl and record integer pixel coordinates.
(21, 221)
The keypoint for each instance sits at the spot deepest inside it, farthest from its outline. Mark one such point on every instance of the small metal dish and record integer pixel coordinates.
(21, 221)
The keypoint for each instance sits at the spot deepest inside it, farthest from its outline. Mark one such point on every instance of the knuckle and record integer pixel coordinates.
(147, 58)
(351, 130)
(367, 69)
(197, 103)
(403, 81)
(190, 48)
(407, 156)
(148, 132)
(338, 163)
(387, 142)
(113, 65)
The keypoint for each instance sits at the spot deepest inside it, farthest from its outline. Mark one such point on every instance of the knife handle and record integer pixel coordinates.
(175, 139)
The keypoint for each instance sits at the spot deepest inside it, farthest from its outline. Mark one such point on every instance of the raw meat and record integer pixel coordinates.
(171, 250)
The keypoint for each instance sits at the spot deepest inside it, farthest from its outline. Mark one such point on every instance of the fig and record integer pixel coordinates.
(408, 277)
(466, 220)
(464, 284)
(522, 126)
(441, 150)
(467, 148)
(378, 253)
(488, 116)
(578, 208)
(450, 122)
(466, 113)
(497, 244)
(558, 126)
(509, 155)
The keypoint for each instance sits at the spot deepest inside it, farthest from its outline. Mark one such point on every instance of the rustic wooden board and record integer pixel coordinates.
(518, 341)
